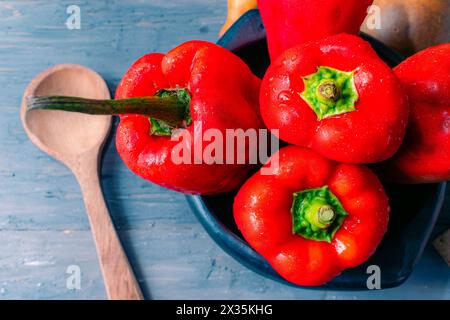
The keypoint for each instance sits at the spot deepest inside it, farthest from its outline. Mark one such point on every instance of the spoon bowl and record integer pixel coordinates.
(65, 135)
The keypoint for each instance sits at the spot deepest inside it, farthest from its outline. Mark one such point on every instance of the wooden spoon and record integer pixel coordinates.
(77, 140)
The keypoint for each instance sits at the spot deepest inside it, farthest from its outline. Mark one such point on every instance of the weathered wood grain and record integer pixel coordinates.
(43, 225)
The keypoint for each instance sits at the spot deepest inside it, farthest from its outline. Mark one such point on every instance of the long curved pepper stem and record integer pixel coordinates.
(171, 108)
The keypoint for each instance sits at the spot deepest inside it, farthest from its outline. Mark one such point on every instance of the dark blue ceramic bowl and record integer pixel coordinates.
(415, 208)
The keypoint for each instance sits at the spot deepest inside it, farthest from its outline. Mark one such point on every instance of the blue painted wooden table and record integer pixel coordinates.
(43, 225)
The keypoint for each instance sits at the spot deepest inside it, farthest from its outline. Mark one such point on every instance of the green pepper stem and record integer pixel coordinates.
(329, 90)
(326, 215)
(320, 214)
(168, 108)
(317, 214)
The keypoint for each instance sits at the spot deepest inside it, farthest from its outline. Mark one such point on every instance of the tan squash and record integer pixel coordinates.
(411, 25)
(236, 8)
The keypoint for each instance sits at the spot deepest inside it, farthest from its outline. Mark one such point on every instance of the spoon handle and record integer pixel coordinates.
(118, 275)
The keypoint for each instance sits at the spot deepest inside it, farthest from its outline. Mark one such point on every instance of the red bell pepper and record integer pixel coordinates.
(195, 87)
(425, 155)
(337, 97)
(313, 217)
(290, 23)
